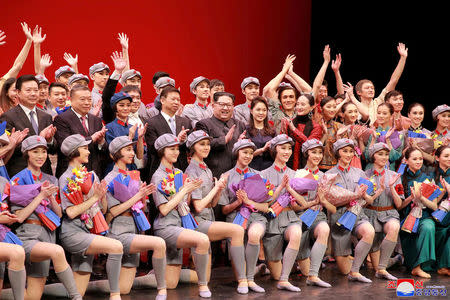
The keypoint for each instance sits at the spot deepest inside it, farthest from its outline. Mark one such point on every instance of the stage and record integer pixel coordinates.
(223, 286)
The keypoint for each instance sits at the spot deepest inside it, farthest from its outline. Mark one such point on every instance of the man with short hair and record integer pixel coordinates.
(43, 84)
(131, 77)
(99, 74)
(26, 115)
(58, 93)
(63, 74)
(250, 89)
(168, 122)
(224, 130)
(200, 109)
(78, 120)
(78, 79)
(156, 103)
(215, 86)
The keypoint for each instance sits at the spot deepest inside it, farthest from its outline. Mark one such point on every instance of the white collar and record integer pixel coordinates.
(78, 115)
(27, 110)
(166, 116)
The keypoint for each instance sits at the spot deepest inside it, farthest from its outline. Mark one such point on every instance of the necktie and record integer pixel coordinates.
(83, 122)
(172, 126)
(33, 122)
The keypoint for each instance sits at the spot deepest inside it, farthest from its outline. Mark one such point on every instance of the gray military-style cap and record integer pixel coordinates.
(341, 143)
(241, 144)
(77, 77)
(42, 79)
(72, 143)
(63, 70)
(249, 80)
(119, 143)
(377, 147)
(163, 82)
(129, 74)
(98, 67)
(440, 109)
(311, 144)
(32, 142)
(280, 140)
(196, 82)
(195, 137)
(166, 140)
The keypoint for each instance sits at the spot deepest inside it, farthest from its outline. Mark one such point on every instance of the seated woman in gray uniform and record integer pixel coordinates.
(75, 236)
(257, 222)
(382, 211)
(286, 226)
(38, 240)
(11, 253)
(168, 224)
(123, 227)
(348, 177)
(205, 198)
(310, 255)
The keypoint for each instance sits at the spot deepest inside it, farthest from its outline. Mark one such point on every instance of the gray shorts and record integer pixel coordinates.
(30, 235)
(170, 235)
(308, 236)
(273, 244)
(203, 227)
(128, 260)
(77, 242)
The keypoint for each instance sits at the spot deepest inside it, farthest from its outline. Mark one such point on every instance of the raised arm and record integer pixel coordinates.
(321, 74)
(20, 60)
(335, 66)
(44, 63)
(71, 61)
(300, 84)
(38, 39)
(395, 77)
(270, 90)
(123, 39)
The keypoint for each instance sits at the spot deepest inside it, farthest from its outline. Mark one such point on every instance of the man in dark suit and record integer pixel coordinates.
(78, 120)
(224, 130)
(168, 122)
(26, 115)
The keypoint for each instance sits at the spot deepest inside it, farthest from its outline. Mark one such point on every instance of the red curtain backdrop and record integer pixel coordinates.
(228, 40)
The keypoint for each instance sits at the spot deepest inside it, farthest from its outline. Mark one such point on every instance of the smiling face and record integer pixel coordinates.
(259, 112)
(215, 89)
(28, 94)
(58, 97)
(171, 153)
(37, 157)
(43, 92)
(202, 148)
(64, 78)
(315, 156)
(133, 81)
(350, 114)
(329, 110)
(81, 101)
(397, 102)
(284, 152)
(416, 115)
(223, 108)
(346, 155)
(84, 154)
(444, 159)
(100, 78)
(367, 91)
(123, 109)
(381, 158)
(202, 91)
(136, 101)
(415, 161)
(443, 119)
(251, 91)
(127, 154)
(383, 116)
(303, 106)
(288, 100)
(245, 156)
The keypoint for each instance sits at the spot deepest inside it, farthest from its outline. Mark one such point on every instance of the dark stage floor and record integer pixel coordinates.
(223, 286)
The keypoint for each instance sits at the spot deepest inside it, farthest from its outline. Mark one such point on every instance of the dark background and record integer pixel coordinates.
(366, 33)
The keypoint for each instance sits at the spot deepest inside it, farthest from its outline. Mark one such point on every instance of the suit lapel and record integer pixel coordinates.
(165, 127)
(91, 124)
(76, 122)
(24, 120)
(40, 117)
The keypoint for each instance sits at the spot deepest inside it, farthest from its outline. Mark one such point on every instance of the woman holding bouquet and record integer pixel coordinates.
(76, 236)
(419, 247)
(386, 134)
(38, 240)
(310, 255)
(441, 115)
(171, 201)
(416, 113)
(11, 253)
(205, 198)
(382, 211)
(123, 226)
(286, 225)
(231, 202)
(348, 177)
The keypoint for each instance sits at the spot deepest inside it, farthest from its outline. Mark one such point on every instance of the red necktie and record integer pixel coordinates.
(83, 122)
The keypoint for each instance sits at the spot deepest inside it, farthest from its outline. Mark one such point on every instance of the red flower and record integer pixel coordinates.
(399, 189)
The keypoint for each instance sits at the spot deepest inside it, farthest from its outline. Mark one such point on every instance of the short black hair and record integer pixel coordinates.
(57, 84)
(158, 75)
(215, 82)
(77, 88)
(25, 78)
(221, 94)
(169, 89)
(74, 154)
(131, 88)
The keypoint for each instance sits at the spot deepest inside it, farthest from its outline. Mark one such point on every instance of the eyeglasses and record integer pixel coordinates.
(221, 104)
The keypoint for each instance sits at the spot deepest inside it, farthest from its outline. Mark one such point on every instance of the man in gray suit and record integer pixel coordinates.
(224, 130)
(26, 115)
